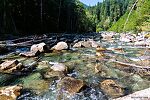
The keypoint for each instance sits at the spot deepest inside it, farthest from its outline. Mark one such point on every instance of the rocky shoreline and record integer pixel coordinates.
(32, 61)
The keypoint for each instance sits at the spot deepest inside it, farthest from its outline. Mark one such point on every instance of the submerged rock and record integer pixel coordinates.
(10, 92)
(35, 83)
(30, 54)
(43, 65)
(54, 74)
(59, 67)
(70, 85)
(11, 66)
(111, 88)
(60, 46)
(56, 70)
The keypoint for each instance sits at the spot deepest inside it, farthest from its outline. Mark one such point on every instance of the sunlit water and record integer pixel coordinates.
(82, 62)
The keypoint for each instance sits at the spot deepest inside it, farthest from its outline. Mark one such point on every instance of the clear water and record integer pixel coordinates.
(82, 62)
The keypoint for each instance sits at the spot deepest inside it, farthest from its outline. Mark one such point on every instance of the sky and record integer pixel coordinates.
(91, 2)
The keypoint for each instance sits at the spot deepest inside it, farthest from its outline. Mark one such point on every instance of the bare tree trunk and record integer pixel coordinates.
(129, 14)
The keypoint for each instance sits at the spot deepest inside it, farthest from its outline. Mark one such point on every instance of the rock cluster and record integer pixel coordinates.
(35, 50)
(10, 92)
(86, 44)
(11, 66)
(68, 84)
(41, 47)
(107, 35)
(140, 39)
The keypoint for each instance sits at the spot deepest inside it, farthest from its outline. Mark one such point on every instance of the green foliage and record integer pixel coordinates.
(137, 20)
(108, 12)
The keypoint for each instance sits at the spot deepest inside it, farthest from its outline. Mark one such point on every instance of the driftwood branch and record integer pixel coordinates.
(26, 43)
(131, 65)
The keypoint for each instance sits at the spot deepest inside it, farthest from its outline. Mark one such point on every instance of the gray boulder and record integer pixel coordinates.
(60, 46)
(39, 47)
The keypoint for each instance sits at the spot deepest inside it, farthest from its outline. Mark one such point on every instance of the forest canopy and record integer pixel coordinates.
(44, 16)
(72, 16)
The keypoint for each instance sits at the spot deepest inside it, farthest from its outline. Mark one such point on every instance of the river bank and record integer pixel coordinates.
(74, 67)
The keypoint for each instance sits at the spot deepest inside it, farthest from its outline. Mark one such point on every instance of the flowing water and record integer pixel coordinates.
(82, 62)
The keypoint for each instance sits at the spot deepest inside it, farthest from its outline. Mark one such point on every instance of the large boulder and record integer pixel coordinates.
(10, 92)
(70, 85)
(112, 88)
(60, 46)
(42, 65)
(11, 66)
(39, 47)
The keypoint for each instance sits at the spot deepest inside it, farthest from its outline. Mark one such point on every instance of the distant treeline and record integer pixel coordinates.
(108, 12)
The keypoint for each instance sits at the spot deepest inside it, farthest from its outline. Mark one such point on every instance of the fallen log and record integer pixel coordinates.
(131, 65)
(26, 43)
(132, 68)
